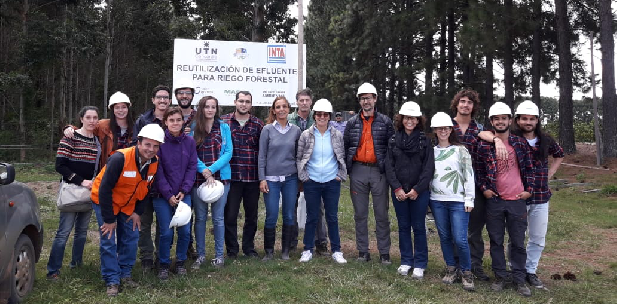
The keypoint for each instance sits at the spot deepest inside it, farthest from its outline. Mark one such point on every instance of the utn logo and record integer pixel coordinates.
(206, 53)
(276, 53)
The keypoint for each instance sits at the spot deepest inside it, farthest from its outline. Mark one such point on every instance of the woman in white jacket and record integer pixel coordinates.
(452, 194)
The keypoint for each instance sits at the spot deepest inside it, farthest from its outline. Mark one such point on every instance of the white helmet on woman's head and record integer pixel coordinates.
(499, 108)
(527, 107)
(441, 119)
(152, 131)
(182, 215)
(410, 108)
(118, 97)
(211, 194)
(322, 105)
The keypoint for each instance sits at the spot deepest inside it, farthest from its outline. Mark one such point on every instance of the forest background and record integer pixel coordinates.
(59, 55)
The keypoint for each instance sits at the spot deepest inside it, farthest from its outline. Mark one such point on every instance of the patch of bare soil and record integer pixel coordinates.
(581, 167)
(48, 190)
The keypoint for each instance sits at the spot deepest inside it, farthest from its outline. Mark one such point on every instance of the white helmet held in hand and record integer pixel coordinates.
(499, 108)
(441, 119)
(322, 105)
(527, 107)
(182, 215)
(153, 131)
(410, 108)
(210, 194)
(366, 88)
(118, 97)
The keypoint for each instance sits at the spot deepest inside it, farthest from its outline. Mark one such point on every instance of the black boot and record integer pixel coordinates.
(286, 241)
(269, 237)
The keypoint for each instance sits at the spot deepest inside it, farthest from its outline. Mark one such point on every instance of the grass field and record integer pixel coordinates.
(582, 238)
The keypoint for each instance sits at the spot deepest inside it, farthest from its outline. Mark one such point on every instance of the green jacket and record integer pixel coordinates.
(294, 119)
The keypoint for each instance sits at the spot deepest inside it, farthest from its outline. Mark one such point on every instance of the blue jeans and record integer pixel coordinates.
(451, 221)
(289, 190)
(117, 260)
(218, 222)
(537, 218)
(80, 221)
(411, 214)
(314, 192)
(164, 213)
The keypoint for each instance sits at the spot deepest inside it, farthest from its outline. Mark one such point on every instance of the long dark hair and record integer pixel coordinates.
(545, 139)
(398, 122)
(271, 115)
(115, 128)
(200, 119)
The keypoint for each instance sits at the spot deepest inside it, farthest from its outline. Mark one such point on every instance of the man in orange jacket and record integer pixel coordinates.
(116, 195)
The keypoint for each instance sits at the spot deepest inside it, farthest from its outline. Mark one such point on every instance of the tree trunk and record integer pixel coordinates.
(53, 105)
(488, 89)
(536, 45)
(442, 57)
(259, 14)
(508, 57)
(428, 61)
(69, 87)
(609, 100)
(108, 54)
(451, 52)
(22, 121)
(566, 115)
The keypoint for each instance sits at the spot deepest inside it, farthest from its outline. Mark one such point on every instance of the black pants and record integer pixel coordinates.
(246, 193)
(477, 219)
(502, 214)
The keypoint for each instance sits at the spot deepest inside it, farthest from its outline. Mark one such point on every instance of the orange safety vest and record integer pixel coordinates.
(130, 188)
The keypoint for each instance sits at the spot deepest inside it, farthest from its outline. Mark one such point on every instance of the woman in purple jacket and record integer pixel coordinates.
(174, 181)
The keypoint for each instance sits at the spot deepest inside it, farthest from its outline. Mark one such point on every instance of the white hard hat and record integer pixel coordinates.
(441, 119)
(210, 194)
(184, 83)
(410, 108)
(527, 107)
(153, 131)
(322, 105)
(118, 97)
(366, 88)
(499, 108)
(182, 215)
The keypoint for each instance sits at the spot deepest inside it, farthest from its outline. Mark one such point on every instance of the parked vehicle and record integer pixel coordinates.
(21, 237)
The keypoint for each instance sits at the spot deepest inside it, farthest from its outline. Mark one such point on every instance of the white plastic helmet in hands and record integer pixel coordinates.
(410, 108)
(499, 108)
(527, 107)
(441, 119)
(153, 131)
(182, 216)
(210, 194)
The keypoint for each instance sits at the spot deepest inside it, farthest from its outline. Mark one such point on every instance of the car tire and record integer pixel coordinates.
(23, 274)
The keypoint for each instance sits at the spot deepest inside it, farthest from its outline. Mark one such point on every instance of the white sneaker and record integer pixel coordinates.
(404, 270)
(200, 260)
(338, 257)
(307, 255)
(418, 273)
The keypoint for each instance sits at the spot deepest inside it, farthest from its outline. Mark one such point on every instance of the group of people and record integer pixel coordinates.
(469, 177)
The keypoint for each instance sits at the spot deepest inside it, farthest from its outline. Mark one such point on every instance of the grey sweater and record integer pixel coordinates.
(277, 152)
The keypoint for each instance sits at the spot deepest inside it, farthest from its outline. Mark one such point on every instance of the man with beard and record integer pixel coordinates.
(161, 101)
(184, 93)
(366, 143)
(506, 185)
(303, 118)
(465, 105)
(527, 125)
(244, 188)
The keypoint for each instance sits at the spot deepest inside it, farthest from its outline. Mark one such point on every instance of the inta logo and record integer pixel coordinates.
(276, 53)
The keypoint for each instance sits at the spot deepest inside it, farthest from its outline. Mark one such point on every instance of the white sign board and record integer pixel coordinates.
(222, 68)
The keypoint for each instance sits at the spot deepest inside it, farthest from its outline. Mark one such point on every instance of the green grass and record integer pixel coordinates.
(574, 219)
(36, 172)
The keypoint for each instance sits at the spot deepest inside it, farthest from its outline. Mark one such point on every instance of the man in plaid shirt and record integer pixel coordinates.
(506, 184)
(244, 188)
(542, 146)
(466, 104)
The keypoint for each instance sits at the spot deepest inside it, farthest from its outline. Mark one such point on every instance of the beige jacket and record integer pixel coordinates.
(306, 143)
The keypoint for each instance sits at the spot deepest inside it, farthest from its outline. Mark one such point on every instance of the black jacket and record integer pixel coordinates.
(382, 130)
(410, 162)
(144, 119)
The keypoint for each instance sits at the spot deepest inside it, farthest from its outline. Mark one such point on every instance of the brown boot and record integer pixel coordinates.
(112, 290)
